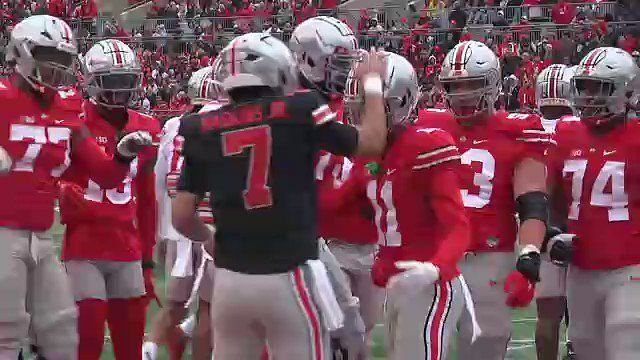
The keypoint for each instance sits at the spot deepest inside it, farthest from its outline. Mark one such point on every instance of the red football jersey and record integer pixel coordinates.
(115, 224)
(599, 177)
(418, 209)
(489, 154)
(350, 221)
(38, 141)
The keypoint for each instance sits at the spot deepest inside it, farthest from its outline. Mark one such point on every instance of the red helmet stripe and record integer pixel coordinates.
(118, 52)
(553, 82)
(592, 58)
(233, 56)
(458, 62)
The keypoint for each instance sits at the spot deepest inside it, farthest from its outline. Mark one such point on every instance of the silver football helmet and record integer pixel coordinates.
(256, 60)
(324, 48)
(200, 87)
(400, 89)
(470, 79)
(553, 92)
(44, 51)
(112, 74)
(601, 84)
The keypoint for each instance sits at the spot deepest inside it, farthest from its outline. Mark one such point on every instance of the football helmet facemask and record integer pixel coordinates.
(553, 91)
(44, 52)
(470, 80)
(112, 74)
(601, 85)
(324, 48)
(400, 89)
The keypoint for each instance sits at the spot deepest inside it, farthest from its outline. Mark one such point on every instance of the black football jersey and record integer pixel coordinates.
(257, 161)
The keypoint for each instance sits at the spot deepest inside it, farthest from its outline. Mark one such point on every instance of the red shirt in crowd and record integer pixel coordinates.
(563, 12)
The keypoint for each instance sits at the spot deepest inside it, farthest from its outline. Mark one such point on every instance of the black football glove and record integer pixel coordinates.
(561, 249)
(558, 246)
(528, 263)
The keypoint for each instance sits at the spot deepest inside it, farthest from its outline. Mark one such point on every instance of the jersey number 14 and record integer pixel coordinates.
(257, 193)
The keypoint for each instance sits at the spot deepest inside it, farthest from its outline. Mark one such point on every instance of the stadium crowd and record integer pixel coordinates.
(179, 37)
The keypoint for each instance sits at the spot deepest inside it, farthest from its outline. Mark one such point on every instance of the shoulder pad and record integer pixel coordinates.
(430, 115)
(143, 121)
(69, 100)
(429, 147)
(189, 125)
(517, 122)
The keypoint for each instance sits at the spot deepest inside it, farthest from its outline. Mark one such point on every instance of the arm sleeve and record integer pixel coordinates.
(193, 178)
(452, 224)
(436, 173)
(106, 171)
(337, 138)
(146, 212)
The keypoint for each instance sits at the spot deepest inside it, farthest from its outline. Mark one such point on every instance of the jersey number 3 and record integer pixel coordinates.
(258, 139)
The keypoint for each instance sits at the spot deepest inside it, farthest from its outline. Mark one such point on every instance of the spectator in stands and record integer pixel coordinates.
(563, 12)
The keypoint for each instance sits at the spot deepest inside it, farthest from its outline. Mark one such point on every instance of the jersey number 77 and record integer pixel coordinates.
(257, 194)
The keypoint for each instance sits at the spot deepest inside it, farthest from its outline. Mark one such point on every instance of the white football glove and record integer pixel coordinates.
(5, 161)
(417, 275)
(131, 144)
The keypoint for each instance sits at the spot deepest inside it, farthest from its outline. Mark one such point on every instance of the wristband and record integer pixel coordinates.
(372, 85)
(148, 264)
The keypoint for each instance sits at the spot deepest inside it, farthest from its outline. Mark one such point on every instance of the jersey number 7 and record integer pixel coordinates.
(257, 193)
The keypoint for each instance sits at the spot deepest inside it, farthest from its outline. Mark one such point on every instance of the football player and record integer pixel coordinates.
(422, 228)
(553, 88)
(268, 278)
(595, 168)
(503, 174)
(324, 49)
(42, 136)
(185, 259)
(110, 232)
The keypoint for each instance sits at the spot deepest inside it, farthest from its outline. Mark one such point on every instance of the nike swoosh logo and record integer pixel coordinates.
(58, 121)
(389, 172)
(609, 152)
(476, 142)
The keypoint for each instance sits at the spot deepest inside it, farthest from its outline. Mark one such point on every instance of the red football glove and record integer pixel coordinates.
(149, 287)
(520, 290)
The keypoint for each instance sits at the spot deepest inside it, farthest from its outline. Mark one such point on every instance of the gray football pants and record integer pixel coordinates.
(35, 294)
(248, 310)
(604, 308)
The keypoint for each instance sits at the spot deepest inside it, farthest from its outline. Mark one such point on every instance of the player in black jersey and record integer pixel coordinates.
(256, 157)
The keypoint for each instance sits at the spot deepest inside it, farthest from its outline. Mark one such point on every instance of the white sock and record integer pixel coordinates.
(188, 325)
(149, 350)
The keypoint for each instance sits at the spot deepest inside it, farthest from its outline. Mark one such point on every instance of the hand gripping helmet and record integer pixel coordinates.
(112, 73)
(553, 88)
(324, 48)
(44, 51)
(602, 84)
(400, 89)
(256, 60)
(470, 79)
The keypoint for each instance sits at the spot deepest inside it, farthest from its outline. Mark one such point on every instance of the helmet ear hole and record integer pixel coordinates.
(311, 62)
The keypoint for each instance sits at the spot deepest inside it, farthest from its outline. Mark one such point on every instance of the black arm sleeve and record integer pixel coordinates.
(337, 138)
(193, 178)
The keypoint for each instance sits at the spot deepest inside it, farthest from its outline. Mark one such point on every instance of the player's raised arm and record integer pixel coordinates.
(106, 171)
(372, 133)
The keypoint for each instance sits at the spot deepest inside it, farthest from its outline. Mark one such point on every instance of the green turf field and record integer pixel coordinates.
(521, 347)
